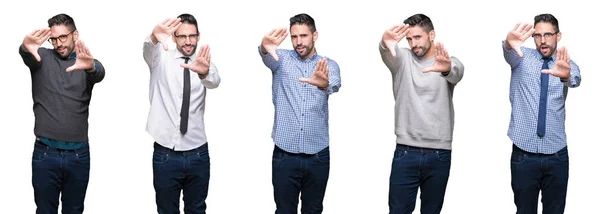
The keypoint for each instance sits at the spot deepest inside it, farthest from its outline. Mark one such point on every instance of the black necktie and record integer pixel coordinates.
(541, 126)
(185, 106)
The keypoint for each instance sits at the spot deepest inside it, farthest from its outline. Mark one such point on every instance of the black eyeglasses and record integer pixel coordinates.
(546, 35)
(62, 38)
(184, 37)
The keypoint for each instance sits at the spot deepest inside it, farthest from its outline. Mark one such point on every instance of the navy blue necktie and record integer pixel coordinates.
(185, 106)
(541, 125)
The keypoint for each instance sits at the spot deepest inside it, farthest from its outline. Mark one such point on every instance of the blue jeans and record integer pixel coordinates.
(175, 171)
(295, 173)
(415, 167)
(57, 171)
(531, 172)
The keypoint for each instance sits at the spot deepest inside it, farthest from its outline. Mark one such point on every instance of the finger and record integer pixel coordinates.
(567, 57)
(165, 21)
(206, 51)
(169, 22)
(176, 23)
(176, 26)
(319, 65)
(527, 27)
(395, 29)
(516, 27)
(46, 34)
(272, 32)
(520, 27)
(527, 34)
(282, 33)
(326, 69)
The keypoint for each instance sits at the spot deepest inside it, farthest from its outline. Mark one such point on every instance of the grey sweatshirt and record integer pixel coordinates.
(60, 99)
(424, 113)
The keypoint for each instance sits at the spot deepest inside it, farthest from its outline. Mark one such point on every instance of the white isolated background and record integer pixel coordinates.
(239, 114)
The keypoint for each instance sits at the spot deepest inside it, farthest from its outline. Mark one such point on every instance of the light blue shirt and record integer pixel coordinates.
(525, 98)
(301, 110)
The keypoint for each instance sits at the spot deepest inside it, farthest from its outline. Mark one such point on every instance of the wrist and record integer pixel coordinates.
(93, 69)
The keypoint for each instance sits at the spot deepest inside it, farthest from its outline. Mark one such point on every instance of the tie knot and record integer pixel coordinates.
(186, 59)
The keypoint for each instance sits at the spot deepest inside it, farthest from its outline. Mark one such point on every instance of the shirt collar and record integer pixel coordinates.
(313, 57)
(179, 55)
(540, 57)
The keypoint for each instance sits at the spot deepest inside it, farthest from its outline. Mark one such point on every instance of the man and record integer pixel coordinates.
(62, 80)
(424, 78)
(176, 119)
(302, 83)
(538, 90)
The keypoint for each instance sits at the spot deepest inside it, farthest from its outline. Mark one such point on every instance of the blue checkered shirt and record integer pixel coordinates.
(525, 97)
(301, 110)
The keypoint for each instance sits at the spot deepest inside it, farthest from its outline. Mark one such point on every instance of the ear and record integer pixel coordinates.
(75, 35)
(315, 36)
(558, 36)
(432, 35)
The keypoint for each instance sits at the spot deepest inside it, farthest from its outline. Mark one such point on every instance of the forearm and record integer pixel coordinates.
(211, 79)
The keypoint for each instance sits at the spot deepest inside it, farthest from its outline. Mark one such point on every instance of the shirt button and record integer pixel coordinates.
(301, 129)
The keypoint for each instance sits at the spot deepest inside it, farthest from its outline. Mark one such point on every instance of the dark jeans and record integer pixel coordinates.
(531, 172)
(415, 167)
(175, 171)
(56, 172)
(296, 173)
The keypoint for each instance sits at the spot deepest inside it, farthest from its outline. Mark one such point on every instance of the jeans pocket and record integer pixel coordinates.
(83, 157)
(159, 158)
(203, 155)
(517, 158)
(399, 154)
(38, 156)
(323, 156)
(444, 155)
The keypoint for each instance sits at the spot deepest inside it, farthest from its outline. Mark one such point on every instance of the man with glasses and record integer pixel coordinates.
(540, 79)
(424, 77)
(178, 82)
(62, 80)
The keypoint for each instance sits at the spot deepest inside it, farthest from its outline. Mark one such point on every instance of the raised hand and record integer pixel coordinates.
(441, 61)
(518, 35)
(392, 36)
(562, 66)
(84, 59)
(272, 40)
(34, 40)
(202, 62)
(320, 77)
(163, 31)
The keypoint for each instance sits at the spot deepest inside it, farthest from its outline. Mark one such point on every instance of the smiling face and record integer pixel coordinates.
(63, 40)
(546, 38)
(303, 40)
(186, 37)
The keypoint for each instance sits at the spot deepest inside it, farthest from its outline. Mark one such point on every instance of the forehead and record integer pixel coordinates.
(544, 27)
(186, 29)
(415, 31)
(300, 29)
(58, 30)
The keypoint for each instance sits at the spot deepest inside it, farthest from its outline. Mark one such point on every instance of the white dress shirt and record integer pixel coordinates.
(166, 97)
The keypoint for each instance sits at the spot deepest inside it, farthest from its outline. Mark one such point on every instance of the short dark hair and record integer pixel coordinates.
(548, 18)
(420, 20)
(62, 19)
(188, 19)
(305, 19)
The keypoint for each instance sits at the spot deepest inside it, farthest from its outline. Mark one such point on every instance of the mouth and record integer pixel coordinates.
(300, 48)
(188, 48)
(544, 48)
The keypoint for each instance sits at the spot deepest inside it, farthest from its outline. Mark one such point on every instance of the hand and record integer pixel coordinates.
(518, 35)
(441, 61)
(272, 40)
(562, 66)
(83, 60)
(320, 77)
(392, 36)
(34, 40)
(202, 62)
(163, 31)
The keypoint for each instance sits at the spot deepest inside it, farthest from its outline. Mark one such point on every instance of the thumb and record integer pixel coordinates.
(37, 56)
(519, 52)
(165, 46)
(393, 51)
(72, 68)
(188, 66)
(307, 80)
(430, 69)
(274, 55)
(547, 71)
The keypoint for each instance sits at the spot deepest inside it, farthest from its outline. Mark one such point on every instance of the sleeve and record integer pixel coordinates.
(511, 56)
(98, 74)
(575, 76)
(393, 63)
(213, 79)
(29, 59)
(335, 81)
(269, 61)
(456, 71)
(152, 53)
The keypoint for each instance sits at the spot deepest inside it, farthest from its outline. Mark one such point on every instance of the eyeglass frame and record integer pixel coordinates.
(545, 35)
(185, 37)
(64, 38)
